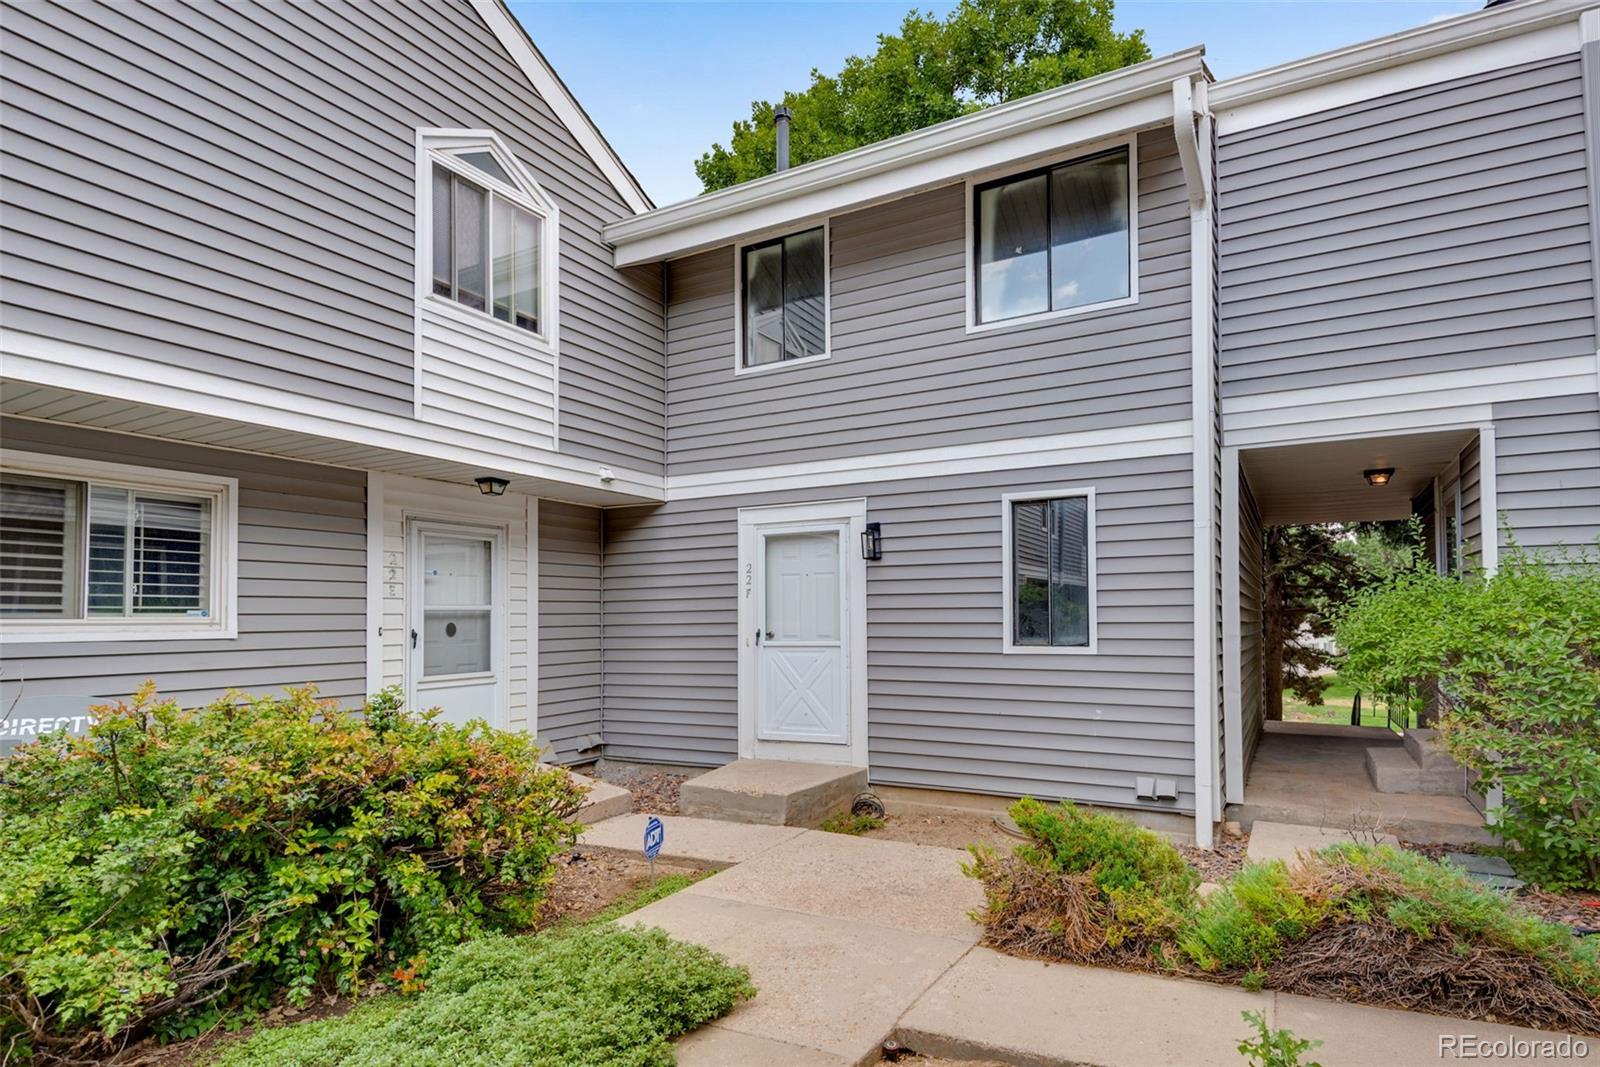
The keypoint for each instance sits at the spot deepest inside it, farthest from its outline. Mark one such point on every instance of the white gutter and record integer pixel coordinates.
(1091, 109)
(1191, 125)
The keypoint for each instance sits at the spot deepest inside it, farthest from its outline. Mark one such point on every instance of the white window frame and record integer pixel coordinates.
(1131, 143)
(443, 146)
(222, 567)
(827, 297)
(1008, 574)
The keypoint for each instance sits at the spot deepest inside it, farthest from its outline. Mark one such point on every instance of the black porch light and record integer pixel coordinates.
(489, 485)
(872, 541)
(1378, 475)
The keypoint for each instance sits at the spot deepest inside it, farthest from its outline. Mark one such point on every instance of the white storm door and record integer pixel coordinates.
(458, 611)
(801, 682)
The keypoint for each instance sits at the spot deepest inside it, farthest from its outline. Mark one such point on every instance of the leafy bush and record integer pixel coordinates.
(1247, 921)
(1271, 1047)
(1084, 881)
(173, 860)
(1516, 658)
(597, 995)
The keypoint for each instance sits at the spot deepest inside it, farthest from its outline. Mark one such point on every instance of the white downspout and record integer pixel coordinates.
(1191, 125)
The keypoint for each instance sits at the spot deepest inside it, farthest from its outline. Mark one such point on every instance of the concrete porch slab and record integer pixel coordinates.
(834, 986)
(708, 841)
(1284, 841)
(773, 792)
(916, 888)
(605, 801)
(1036, 1014)
(716, 1046)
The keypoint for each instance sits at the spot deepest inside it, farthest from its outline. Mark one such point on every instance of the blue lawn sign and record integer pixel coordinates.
(654, 835)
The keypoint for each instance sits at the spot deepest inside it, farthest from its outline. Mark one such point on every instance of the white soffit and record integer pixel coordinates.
(1324, 481)
(1515, 33)
(1132, 98)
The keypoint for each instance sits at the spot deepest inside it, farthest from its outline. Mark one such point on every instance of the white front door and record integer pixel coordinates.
(802, 632)
(457, 657)
(800, 654)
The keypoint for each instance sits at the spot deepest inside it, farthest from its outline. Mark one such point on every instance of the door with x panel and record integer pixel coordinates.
(801, 681)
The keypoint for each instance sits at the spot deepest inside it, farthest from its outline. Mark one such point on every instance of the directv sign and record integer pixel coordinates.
(31, 718)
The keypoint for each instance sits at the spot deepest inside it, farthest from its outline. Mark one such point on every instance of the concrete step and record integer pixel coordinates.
(1392, 770)
(605, 801)
(774, 792)
(1425, 749)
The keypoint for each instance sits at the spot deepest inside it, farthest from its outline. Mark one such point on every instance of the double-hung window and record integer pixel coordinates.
(1049, 577)
(1054, 240)
(490, 234)
(783, 286)
(91, 550)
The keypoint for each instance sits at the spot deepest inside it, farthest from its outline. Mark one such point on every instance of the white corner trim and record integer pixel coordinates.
(82, 369)
(375, 582)
(851, 514)
(1085, 446)
(1008, 574)
(549, 85)
(223, 493)
(1488, 501)
(531, 606)
(1456, 47)
(1084, 111)
(1232, 634)
(1130, 141)
(739, 368)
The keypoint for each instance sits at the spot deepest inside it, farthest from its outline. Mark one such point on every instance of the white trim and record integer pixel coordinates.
(1008, 572)
(1084, 111)
(1440, 51)
(1232, 633)
(1084, 446)
(1128, 141)
(81, 369)
(1488, 502)
(500, 615)
(827, 299)
(560, 100)
(223, 565)
(851, 514)
(531, 520)
(375, 581)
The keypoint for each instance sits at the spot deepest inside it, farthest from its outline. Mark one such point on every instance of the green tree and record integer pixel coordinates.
(985, 52)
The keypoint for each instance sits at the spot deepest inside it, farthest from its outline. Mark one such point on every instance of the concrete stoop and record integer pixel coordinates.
(605, 801)
(1420, 766)
(772, 792)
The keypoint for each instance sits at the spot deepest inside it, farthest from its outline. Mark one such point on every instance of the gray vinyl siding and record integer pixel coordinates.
(1252, 619)
(1547, 463)
(1440, 228)
(946, 709)
(229, 187)
(569, 628)
(904, 370)
(1472, 528)
(302, 584)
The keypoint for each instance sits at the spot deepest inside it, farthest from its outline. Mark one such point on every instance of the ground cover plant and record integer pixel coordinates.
(174, 865)
(592, 995)
(1353, 922)
(848, 822)
(1512, 663)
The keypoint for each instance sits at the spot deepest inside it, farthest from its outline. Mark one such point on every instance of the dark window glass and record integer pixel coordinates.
(1050, 572)
(486, 250)
(785, 299)
(1053, 240)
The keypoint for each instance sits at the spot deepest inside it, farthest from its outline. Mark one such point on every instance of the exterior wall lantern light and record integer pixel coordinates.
(872, 542)
(489, 485)
(1378, 476)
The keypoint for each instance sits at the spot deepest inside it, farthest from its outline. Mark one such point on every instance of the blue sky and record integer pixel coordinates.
(665, 80)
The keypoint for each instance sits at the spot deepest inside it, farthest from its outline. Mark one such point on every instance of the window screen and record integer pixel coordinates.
(1050, 572)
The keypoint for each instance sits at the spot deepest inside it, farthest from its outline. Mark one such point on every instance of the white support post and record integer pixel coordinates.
(374, 581)
(1488, 504)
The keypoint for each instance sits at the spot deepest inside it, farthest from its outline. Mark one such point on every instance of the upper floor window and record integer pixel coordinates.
(491, 231)
(1049, 580)
(89, 550)
(783, 285)
(1054, 240)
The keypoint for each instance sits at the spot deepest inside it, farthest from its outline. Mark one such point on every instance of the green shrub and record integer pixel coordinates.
(173, 861)
(1247, 921)
(1121, 882)
(1516, 658)
(597, 995)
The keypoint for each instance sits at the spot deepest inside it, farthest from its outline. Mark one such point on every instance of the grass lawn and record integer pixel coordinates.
(1335, 707)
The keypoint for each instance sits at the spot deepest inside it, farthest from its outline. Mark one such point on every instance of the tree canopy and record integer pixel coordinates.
(985, 52)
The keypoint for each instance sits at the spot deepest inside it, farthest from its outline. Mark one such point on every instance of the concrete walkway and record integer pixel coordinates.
(854, 941)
